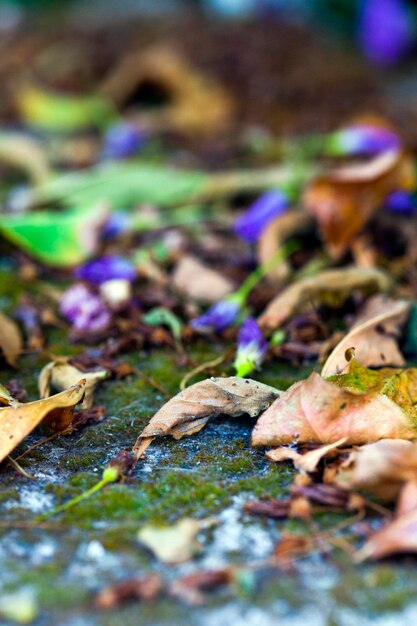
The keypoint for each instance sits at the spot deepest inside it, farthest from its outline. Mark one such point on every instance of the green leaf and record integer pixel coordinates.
(61, 239)
(161, 315)
(124, 185)
(60, 112)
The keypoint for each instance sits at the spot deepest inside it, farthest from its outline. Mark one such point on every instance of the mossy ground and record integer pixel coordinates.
(209, 474)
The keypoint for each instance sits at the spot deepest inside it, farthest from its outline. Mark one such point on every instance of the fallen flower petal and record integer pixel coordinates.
(83, 309)
(250, 225)
(173, 544)
(385, 31)
(251, 348)
(122, 140)
(106, 268)
(401, 202)
(218, 317)
(361, 139)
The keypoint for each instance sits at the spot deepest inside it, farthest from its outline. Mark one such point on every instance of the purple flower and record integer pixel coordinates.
(86, 311)
(251, 348)
(249, 225)
(119, 222)
(218, 317)
(361, 139)
(122, 140)
(106, 268)
(401, 202)
(384, 30)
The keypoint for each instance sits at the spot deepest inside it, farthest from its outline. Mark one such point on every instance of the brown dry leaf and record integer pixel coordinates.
(307, 462)
(190, 588)
(6, 399)
(10, 339)
(330, 286)
(290, 546)
(198, 281)
(61, 375)
(194, 102)
(56, 412)
(346, 198)
(315, 410)
(374, 336)
(275, 234)
(380, 468)
(176, 543)
(398, 536)
(190, 410)
(145, 588)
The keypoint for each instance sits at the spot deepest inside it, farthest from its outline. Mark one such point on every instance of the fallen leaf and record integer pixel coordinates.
(60, 375)
(194, 102)
(56, 412)
(190, 587)
(307, 462)
(58, 238)
(274, 236)
(25, 153)
(398, 536)
(374, 336)
(380, 468)
(62, 112)
(330, 287)
(6, 398)
(10, 339)
(145, 588)
(343, 200)
(316, 410)
(198, 281)
(190, 410)
(176, 543)
(291, 546)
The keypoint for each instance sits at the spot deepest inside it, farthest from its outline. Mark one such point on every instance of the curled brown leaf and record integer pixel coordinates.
(17, 422)
(315, 410)
(190, 410)
(373, 336)
(10, 339)
(343, 200)
(330, 286)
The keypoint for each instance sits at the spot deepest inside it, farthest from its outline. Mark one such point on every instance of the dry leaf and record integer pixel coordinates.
(380, 468)
(374, 336)
(10, 339)
(194, 102)
(60, 375)
(275, 234)
(176, 543)
(198, 281)
(145, 588)
(56, 412)
(398, 536)
(316, 410)
(190, 588)
(330, 286)
(190, 410)
(346, 198)
(6, 399)
(307, 462)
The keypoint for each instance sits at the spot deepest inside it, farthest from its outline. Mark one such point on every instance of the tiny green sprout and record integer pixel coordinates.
(118, 467)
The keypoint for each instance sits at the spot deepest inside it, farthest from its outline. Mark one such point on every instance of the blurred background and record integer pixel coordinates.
(213, 78)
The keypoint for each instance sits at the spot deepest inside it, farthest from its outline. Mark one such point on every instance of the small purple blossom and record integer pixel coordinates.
(118, 222)
(122, 140)
(401, 202)
(106, 268)
(362, 139)
(251, 348)
(217, 317)
(86, 311)
(385, 30)
(251, 223)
